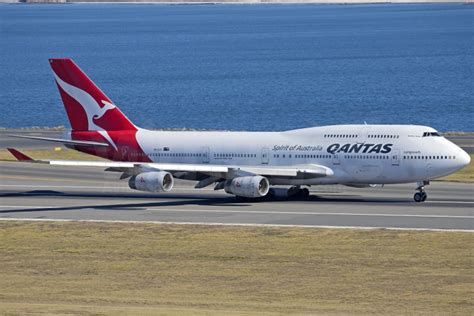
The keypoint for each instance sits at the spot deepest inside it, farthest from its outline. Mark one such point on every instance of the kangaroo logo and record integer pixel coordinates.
(90, 106)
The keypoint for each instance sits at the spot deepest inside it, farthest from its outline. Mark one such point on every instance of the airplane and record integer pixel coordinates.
(249, 165)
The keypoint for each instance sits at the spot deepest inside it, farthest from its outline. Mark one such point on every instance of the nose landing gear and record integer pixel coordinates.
(421, 195)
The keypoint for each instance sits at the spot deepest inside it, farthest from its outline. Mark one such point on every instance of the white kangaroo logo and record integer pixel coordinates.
(90, 106)
(107, 106)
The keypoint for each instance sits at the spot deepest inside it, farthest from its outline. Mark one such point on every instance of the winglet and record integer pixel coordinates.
(19, 155)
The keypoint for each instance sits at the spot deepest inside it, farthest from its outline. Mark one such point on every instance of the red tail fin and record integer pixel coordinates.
(87, 107)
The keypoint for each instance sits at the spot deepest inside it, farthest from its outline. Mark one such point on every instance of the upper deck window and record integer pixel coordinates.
(428, 134)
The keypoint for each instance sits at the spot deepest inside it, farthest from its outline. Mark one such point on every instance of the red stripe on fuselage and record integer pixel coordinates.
(128, 148)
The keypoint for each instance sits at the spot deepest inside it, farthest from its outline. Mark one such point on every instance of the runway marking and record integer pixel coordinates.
(23, 206)
(246, 212)
(236, 224)
(312, 213)
(453, 202)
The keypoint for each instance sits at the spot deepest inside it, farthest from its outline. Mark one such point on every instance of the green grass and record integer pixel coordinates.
(123, 269)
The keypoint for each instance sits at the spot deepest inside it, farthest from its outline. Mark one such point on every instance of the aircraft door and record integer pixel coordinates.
(396, 157)
(428, 170)
(364, 132)
(265, 156)
(335, 159)
(205, 154)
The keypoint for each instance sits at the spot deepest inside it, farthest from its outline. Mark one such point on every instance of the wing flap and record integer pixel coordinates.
(297, 171)
(310, 170)
(100, 164)
(204, 168)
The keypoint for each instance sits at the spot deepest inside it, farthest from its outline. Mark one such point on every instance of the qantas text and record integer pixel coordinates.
(360, 148)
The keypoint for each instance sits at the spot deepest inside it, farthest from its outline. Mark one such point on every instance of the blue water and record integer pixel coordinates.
(246, 67)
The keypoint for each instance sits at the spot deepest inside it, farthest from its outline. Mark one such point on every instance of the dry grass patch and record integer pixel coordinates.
(106, 268)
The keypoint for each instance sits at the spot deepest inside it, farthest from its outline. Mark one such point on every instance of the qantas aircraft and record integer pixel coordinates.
(246, 164)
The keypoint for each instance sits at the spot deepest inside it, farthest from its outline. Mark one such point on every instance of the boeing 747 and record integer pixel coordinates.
(245, 164)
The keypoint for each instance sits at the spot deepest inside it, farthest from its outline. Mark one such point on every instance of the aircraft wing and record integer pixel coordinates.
(222, 171)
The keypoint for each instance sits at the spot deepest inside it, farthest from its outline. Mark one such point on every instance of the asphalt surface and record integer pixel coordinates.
(6, 141)
(466, 142)
(37, 191)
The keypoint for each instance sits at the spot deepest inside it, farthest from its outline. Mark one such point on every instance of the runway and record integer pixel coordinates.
(36, 191)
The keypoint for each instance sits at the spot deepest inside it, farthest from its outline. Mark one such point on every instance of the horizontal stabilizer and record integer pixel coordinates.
(64, 141)
(19, 155)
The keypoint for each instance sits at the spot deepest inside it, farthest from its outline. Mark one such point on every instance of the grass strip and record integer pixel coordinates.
(122, 269)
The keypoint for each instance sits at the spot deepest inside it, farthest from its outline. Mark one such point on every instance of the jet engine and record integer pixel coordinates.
(153, 181)
(250, 186)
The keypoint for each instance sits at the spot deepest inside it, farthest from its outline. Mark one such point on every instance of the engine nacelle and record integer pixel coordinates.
(250, 186)
(153, 181)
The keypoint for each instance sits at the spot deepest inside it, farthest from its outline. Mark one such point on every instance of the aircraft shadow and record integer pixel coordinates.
(177, 200)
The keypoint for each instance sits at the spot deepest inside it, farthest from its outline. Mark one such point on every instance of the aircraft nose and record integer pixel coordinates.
(464, 158)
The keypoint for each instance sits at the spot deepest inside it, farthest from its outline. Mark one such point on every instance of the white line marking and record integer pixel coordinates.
(18, 207)
(312, 213)
(24, 206)
(454, 202)
(236, 224)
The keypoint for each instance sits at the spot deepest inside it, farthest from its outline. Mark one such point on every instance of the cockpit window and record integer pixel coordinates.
(429, 134)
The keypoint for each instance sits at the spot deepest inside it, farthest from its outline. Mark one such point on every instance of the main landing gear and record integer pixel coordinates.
(421, 195)
(297, 191)
(288, 193)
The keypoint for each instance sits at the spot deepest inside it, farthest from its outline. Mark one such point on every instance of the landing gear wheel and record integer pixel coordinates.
(421, 195)
(304, 193)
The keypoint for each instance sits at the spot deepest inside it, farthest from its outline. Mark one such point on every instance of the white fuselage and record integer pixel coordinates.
(357, 154)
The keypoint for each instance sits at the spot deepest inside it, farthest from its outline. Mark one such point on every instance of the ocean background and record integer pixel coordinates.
(246, 67)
